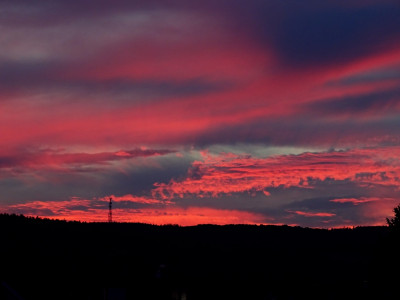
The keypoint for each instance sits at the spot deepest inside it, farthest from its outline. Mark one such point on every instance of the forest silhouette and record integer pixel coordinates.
(53, 259)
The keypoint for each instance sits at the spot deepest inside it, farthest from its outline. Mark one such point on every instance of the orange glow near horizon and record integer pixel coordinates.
(161, 215)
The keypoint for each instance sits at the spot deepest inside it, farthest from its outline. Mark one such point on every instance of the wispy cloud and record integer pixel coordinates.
(313, 214)
(358, 201)
(48, 159)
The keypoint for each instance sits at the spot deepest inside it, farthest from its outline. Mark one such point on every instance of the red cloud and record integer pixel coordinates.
(169, 119)
(58, 159)
(229, 173)
(75, 97)
(357, 201)
(312, 214)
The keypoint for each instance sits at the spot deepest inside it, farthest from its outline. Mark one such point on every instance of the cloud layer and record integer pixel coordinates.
(135, 98)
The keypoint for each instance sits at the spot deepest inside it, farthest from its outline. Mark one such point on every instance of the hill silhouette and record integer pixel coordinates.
(51, 259)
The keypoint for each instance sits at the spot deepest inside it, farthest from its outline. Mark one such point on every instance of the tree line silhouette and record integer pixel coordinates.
(53, 259)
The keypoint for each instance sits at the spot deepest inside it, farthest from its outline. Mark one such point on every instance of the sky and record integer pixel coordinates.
(192, 112)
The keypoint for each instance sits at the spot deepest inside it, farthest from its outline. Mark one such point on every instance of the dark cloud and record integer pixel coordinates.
(53, 183)
(299, 131)
(140, 179)
(317, 33)
(44, 13)
(387, 101)
(46, 187)
(35, 77)
(336, 35)
(369, 77)
(302, 33)
(25, 74)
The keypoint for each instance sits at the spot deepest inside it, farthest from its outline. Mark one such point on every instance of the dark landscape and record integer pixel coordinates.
(50, 259)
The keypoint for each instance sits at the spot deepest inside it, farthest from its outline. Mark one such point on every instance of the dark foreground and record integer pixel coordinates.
(43, 259)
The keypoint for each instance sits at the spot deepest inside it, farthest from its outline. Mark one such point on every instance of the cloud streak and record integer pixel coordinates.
(53, 159)
(313, 214)
(358, 201)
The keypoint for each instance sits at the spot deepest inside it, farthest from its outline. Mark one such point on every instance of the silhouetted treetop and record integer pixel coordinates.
(394, 222)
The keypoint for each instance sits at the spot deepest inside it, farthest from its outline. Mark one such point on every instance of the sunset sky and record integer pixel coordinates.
(212, 111)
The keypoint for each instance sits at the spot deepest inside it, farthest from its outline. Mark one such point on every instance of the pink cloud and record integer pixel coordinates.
(175, 47)
(41, 159)
(229, 173)
(357, 201)
(313, 214)
(169, 119)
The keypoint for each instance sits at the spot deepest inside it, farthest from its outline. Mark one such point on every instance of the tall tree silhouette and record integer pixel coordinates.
(394, 222)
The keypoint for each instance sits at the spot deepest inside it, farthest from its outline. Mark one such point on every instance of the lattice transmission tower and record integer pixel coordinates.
(110, 211)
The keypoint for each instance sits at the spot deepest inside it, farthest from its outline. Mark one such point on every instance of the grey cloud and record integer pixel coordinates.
(300, 131)
(58, 185)
(374, 102)
(301, 33)
(35, 77)
(140, 180)
(380, 75)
